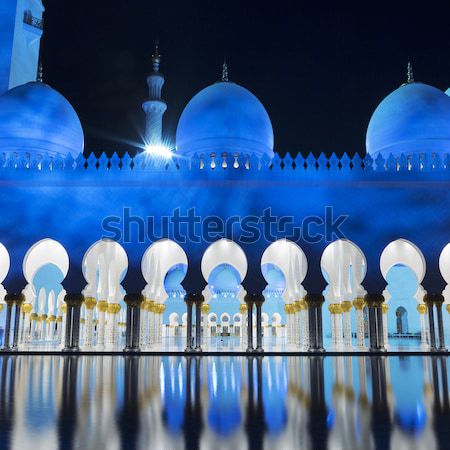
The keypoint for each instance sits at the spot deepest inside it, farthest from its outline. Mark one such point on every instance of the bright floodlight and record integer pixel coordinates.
(158, 150)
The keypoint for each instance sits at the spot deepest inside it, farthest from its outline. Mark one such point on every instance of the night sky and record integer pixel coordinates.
(319, 69)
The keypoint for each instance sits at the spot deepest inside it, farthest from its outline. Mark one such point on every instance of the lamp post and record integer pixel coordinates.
(132, 333)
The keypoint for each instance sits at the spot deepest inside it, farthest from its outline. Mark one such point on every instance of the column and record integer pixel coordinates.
(111, 330)
(243, 311)
(288, 308)
(374, 302)
(205, 312)
(132, 336)
(9, 299)
(438, 301)
(429, 302)
(26, 309)
(151, 321)
(189, 299)
(143, 328)
(314, 303)
(422, 309)
(360, 334)
(259, 300)
(72, 336)
(18, 300)
(198, 300)
(102, 307)
(63, 309)
(346, 308)
(249, 300)
(88, 337)
(159, 310)
(336, 324)
(384, 310)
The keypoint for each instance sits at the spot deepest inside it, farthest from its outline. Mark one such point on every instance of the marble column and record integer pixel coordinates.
(289, 310)
(438, 301)
(314, 303)
(384, 311)
(374, 303)
(132, 337)
(428, 299)
(422, 309)
(112, 326)
(249, 301)
(63, 309)
(336, 325)
(160, 308)
(26, 333)
(346, 308)
(243, 311)
(18, 300)
(360, 332)
(143, 328)
(102, 307)
(259, 300)
(72, 336)
(88, 338)
(189, 299)
(9, 300)
(198, 300)
(305, 326)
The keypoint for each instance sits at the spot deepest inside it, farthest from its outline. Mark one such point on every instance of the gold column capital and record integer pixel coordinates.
(90, 302)
(335, 308)
(346, 306)
(384, 308)
(359, 303)
(206, 308)
(422, 308)
(26, 308)
(102, 306)
(243, 308)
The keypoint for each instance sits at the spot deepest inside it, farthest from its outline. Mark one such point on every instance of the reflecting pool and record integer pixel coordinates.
(178, 402)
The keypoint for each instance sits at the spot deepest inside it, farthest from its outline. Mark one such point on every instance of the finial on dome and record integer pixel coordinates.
(224, 70)
(410, 75)
(40, 76)
(156, 57)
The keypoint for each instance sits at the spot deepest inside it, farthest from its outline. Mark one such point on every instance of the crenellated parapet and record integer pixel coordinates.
(238, 162)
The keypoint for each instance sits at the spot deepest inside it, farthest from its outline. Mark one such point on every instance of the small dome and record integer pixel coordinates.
(224, 117)
(36, 119)
(413, 119)
(224, 279)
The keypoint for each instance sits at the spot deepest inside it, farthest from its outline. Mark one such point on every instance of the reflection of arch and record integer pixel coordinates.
(402, 320)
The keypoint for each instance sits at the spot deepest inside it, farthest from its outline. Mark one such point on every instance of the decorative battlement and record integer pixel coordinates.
(235, 162)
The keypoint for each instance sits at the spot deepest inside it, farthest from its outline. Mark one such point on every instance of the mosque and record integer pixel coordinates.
(105, 226)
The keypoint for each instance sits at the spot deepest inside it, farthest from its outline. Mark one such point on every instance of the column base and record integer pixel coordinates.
(198, 350)
(249, 350)
(188, 350)
(131, 350)
(316, 350)
(377, 350)
(71, 350)
(259, 350)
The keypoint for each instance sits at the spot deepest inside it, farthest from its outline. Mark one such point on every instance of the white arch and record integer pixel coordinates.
(158, 259)
(291, 260)
(337, 259)
(5, 262)
(224, 251)
(403, 252)
(45, 251)
(444, 268)
(109, 259)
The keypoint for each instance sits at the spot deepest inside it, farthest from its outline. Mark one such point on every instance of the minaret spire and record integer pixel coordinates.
(156, 57)
(155, 106)
(409, 74)
(224, 70)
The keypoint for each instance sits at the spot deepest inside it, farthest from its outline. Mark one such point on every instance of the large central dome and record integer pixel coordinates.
(224, 117)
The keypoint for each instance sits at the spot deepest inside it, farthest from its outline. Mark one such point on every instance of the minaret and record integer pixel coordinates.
(409, 75)
(154, 107)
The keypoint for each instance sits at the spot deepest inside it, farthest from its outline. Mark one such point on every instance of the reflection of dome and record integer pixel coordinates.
(415, 118)
(36, 119)
(224, 117)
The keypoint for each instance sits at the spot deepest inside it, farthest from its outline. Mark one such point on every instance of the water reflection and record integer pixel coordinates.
(131, 402)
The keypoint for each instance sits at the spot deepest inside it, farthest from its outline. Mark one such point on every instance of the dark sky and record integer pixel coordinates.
(319, 68)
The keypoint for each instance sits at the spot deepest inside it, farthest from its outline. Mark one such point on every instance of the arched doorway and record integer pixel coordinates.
(402, 320)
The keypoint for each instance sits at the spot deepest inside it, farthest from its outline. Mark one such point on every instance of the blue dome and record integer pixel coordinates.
(224, 117)
(36, 119)
(224, 279)
(413, 119)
